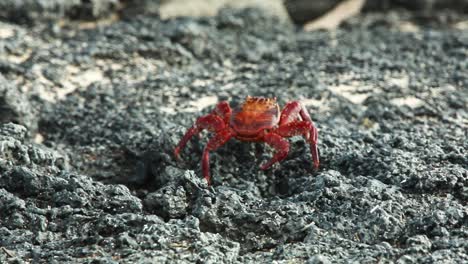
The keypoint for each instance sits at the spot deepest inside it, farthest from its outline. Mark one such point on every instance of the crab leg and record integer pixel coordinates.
(313, 147)
(224, 111)
(305, 129)
(215, 142)
(295, 128)
(291, 112)
(281, 146)
(210, 122)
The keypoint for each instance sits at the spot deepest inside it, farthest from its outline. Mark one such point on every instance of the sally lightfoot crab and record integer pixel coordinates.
(258, 119)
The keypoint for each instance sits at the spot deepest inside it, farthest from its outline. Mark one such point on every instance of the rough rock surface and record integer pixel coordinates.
(96, 182)
(36, 11)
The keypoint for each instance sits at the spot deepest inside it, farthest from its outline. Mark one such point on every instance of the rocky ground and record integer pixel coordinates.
(91, 110)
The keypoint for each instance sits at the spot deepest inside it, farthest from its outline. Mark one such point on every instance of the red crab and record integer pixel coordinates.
(257, 119)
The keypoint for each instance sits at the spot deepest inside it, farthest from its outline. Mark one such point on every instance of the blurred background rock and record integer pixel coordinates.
(299, 11)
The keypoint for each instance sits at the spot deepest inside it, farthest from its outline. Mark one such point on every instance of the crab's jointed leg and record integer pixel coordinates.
(295, 128)
(223, 110)
(210, 122)
(281, 146)
(215, 142)
(216, 122)
(295, 111)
